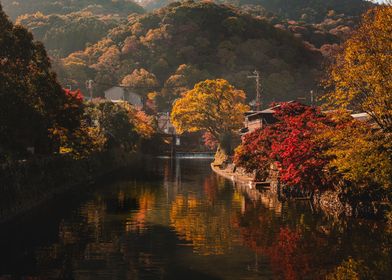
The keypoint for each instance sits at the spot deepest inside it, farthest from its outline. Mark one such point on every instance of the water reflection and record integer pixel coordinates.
(301, 244)
(190, 224)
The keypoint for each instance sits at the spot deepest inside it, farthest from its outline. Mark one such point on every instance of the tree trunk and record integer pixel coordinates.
(220, 156)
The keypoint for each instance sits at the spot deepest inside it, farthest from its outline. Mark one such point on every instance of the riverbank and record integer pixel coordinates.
(331, 202)
(230, 174)
(240, 176)
(27, 184)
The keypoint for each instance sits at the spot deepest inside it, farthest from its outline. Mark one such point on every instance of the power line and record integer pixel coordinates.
(138, 87)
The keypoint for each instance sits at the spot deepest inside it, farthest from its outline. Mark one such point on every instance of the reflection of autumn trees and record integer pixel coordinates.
(94, 241)
(137, 221)
(285, 246)
(132, 231)
(210, 188)
(351, 269)
(206, 221)
(301, 245)
(287, 256)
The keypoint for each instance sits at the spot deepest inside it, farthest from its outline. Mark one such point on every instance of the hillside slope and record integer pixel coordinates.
(64, 34)
(310, 10)
(15, 8)
(174, 47)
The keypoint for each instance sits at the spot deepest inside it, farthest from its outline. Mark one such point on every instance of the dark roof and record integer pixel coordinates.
(256, 114)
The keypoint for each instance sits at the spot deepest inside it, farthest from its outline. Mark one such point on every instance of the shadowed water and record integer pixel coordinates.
(178, 220)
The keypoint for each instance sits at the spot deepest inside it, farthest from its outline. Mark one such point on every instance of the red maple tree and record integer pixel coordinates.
(292, 145)
(255, 152)
(296, 149)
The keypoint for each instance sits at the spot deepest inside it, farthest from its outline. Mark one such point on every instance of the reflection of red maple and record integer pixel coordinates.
(286, 255)
(256, 229)
(284, 247)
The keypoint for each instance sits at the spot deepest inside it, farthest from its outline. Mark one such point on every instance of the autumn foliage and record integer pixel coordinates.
(361, 78)
(315, 151)
(254, 153)
(210, 141)
(213, 106)
(291, 145)
(298, 154)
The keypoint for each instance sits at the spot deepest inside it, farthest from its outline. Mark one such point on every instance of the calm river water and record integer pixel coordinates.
(178, 220)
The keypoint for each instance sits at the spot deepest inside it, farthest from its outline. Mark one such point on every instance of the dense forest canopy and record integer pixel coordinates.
(15, 8)
(171, 49)
(64, 34)
(309, 10)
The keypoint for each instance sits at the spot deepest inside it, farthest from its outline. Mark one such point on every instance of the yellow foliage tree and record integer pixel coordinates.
(214, 106)
(359, 154)
(361, 78)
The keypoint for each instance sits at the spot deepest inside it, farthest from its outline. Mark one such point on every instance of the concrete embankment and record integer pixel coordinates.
(231, 175)
(240, 176)
(25, 185)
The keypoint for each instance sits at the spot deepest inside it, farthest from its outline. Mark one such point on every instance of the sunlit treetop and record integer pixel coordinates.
(361, 78)
(213, 105)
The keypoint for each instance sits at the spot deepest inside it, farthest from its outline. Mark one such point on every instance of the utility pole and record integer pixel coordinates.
(89, 86)
(257, 77)
(312, 98)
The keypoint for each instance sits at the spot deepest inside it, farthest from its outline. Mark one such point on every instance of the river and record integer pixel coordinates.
(178, 220)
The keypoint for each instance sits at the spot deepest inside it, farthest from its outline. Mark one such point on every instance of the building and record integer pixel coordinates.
(116, 94)
(363, 117)
(257, 119)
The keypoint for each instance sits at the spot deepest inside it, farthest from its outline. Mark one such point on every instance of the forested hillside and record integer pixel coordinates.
(64, 34)
(325, 36)
(165, 52)
(15, 8)
(308, 10)
(171, 49)
(66, 26)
